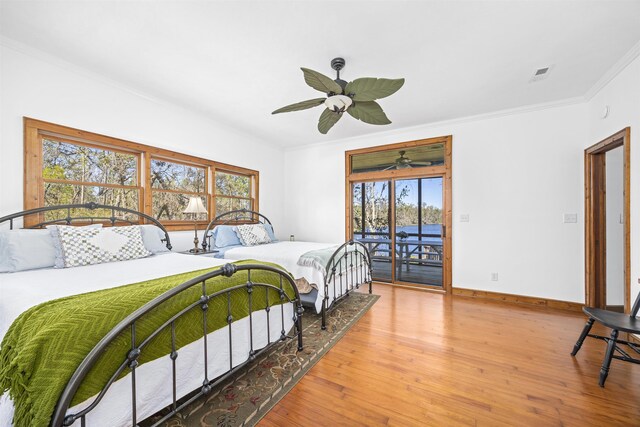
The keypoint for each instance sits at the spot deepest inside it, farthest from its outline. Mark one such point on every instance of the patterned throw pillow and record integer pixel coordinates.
(86, 246)
(251, 235)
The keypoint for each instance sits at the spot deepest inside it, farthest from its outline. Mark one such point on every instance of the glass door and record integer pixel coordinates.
(418, 246)
(371, 224)
(413, 253)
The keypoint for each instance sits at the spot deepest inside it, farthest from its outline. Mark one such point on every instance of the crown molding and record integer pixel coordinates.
(40, 55)
(467, 119)
(616, 69)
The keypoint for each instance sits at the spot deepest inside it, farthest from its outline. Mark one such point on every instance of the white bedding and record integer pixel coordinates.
(20, 291)
(286, 254)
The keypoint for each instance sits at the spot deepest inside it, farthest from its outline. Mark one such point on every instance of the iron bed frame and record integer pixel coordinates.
(350, 254)
(62, 417)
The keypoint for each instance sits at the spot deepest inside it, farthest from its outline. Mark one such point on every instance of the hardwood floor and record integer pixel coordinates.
(421, 358)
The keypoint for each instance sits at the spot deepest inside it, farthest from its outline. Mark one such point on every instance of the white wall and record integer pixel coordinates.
(615, 227)
(32, 85)
(515, 175)
(622, 95)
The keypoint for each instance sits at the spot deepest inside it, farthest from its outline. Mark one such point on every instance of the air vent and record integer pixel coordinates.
(541, 73)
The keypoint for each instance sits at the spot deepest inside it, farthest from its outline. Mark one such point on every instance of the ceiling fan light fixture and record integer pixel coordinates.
(338, 103)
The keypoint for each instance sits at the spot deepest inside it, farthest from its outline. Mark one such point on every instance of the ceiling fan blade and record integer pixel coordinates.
(321, 82)
(421, 163)
(370, 88)
(390, 167)
(368, 112)
(300, 105)
(328, 118)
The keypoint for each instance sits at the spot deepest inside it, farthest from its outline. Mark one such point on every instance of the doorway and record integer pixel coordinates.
(402, 213)
(607, 223)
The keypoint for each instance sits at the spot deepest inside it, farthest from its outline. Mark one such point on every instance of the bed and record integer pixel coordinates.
(202, 320)
(334, 269)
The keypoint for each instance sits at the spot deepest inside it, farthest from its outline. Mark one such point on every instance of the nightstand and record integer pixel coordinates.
(207, 252)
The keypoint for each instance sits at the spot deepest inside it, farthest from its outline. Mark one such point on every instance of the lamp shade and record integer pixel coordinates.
(195, 206)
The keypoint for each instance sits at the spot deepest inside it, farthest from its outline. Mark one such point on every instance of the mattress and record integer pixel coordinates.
(20, 291)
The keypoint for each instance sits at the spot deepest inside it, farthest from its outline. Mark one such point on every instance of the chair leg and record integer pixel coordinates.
(604, 371)
(583, 335)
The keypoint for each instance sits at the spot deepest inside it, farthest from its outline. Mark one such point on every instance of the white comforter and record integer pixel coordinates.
(20, 291)
(287, 255)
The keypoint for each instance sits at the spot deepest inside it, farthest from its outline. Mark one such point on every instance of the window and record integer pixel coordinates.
(73, 173)
(172, 184)
(70, 166)
(233, 192)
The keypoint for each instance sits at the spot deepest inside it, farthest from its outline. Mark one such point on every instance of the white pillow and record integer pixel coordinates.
(252, 234)
(83, 246)
(152, 236)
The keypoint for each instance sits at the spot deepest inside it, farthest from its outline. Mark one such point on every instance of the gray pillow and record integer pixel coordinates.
(152, 236)
(58, 261)
(27, 250)
(83, 246)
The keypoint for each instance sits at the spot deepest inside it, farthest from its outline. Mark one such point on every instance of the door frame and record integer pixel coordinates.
(595, 218)
(443, 171)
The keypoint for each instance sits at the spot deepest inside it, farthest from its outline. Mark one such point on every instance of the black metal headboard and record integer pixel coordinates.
(69, 218)
(238, 215)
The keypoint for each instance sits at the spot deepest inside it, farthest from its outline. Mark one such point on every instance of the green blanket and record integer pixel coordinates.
(45, 344)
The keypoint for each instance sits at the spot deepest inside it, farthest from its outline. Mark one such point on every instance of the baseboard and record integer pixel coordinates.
(519, 299)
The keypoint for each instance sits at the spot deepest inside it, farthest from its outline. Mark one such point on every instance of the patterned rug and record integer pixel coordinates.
(244, 400)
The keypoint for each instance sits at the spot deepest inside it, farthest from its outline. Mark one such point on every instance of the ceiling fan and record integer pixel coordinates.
(403, 162)
(358, 98)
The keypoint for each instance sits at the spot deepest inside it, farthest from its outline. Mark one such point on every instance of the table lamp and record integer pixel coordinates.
(195, 208)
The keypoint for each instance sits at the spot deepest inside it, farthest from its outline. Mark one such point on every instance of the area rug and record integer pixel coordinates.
(245, 399)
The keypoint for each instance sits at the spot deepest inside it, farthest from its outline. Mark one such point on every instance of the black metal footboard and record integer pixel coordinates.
(348, 268)
(130, 361)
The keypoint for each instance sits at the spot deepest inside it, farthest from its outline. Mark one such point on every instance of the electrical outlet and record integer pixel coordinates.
(494, 277)
(464, 217)
(570, 218)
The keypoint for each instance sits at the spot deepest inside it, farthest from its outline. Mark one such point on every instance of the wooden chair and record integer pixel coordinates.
(617, 322)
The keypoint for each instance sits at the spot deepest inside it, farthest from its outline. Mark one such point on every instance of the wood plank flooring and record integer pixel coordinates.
(421, 358)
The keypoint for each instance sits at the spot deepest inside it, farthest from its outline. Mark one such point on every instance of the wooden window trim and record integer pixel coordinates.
(445, 171)
(33, 192)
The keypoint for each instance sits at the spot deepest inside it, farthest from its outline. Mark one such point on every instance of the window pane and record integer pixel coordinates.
(66, 194)
(169, 206)
(62, 160)
(175, 176)
(406, 158)
(233, 185)
(226, 204)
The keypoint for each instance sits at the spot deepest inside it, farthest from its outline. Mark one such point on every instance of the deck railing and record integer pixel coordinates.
(414, 249)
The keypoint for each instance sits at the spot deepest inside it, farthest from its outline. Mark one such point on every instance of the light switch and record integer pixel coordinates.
(570, 218)
(464, 217)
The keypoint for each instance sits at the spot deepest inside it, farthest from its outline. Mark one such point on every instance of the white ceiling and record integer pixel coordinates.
(237, 61)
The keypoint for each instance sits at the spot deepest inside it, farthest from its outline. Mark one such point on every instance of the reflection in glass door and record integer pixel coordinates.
(418, 231)
(371, 218)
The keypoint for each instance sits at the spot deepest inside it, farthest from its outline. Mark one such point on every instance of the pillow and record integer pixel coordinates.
(225, 235)
(270, 232)
(251, 235)
(5, 265)
(86, 246)
(152, 236)
(27, 249)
